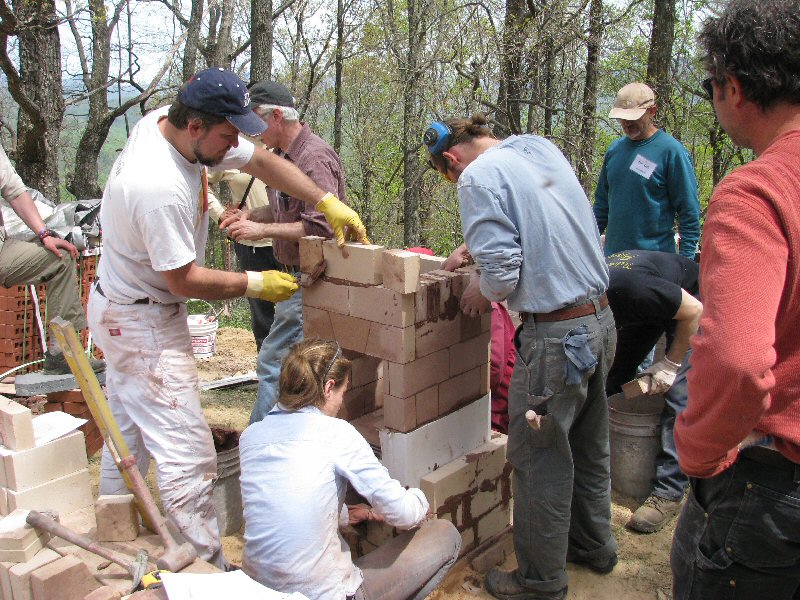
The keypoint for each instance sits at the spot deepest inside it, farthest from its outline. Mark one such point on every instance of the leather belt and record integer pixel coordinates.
(139, 301)
(564, 314)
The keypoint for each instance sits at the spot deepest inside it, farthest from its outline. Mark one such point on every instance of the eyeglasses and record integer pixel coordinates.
(442, 172)
(707, 87)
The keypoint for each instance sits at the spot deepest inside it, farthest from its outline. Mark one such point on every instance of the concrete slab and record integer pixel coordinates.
(32, 384)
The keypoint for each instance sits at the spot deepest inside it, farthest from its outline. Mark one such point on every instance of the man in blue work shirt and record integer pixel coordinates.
(647, 180)
(530, 229)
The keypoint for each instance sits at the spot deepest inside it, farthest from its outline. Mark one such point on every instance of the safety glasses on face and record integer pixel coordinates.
(442, 172)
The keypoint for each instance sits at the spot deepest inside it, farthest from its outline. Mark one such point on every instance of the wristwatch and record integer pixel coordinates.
(47, 233)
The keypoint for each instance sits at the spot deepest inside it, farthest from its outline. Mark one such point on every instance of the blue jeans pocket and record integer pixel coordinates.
(766, 529)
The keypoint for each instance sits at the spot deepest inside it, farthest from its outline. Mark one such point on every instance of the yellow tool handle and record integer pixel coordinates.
(96, 401)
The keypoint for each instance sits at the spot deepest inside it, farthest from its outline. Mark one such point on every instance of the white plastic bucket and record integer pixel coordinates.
(204, 335)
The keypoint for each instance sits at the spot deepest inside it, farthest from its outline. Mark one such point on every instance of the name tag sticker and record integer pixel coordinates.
(114, 332)
(643, 166)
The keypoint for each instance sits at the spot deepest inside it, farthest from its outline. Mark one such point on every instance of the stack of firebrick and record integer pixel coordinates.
(23, 318)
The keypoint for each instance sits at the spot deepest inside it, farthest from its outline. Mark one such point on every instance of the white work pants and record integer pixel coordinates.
(154, 395)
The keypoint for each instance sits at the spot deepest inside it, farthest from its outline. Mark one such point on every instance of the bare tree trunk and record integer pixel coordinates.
(83, 182)
(589, 105)
(192, 39)
(260, 40)
(37, 90)
(660, 54)
(511, 80)
(411, 167)
(339, 68)
(549, 87)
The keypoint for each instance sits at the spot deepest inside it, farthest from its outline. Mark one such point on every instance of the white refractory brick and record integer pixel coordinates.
(401, 270)
(16, 534)
(365, 369)
(66, 579)
(409, 456)
(407, 379)
(328, 296)
(458, 390)
(430, 263)
(63, 495)
(16, 425)
(427, 405)
(5, 581)
(395, 344)
(103, 593)
(470, 354)
(449, 481)
(494, 523)
(29, 468)
(382, 305)
(310, 253)
(117, 518)
(20, 574)
(435, 335)
(466, 473)
(317, 323)
(25, 554)
(399, 414)
(356, 263)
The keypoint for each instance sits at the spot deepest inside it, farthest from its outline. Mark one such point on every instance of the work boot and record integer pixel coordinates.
(603, 567)
(56, 364)
(505, 585)
(653, 514)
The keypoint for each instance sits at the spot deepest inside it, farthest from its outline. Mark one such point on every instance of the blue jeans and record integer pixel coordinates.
(562, 471)
(286, 331)
(670, 482)
(738, 535)
(262, 312)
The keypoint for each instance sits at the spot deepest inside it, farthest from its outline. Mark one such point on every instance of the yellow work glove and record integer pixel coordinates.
(341, 217)
(273, 286)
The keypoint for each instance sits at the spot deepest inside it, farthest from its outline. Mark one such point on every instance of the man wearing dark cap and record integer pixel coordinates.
(647, 180)
(155, 224)
(286, 220)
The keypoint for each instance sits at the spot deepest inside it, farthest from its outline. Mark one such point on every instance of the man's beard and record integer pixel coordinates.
(207, 161)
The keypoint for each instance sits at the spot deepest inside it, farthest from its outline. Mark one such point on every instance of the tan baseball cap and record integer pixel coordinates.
(632, 102)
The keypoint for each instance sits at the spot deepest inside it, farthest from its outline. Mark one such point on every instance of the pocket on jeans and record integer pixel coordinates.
(766, 529)
(178, 372)
(543, 436)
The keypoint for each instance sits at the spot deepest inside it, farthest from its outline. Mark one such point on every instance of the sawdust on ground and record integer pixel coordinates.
(643, 571)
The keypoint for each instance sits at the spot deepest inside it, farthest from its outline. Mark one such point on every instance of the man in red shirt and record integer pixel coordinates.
(739, 437)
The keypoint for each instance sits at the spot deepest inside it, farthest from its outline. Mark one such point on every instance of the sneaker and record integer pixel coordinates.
(603, 567)
(56, 364)
(653, 514)
(505, 585)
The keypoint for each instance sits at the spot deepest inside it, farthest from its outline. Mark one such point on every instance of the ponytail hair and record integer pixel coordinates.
(458, 131)
(309, 364)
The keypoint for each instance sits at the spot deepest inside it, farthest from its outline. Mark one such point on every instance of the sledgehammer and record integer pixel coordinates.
(176, 556)
(136, 569)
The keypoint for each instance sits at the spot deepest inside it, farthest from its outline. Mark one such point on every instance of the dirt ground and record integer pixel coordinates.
(643, 571)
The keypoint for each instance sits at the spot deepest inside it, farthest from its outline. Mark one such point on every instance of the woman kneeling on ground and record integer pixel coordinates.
(295, 467)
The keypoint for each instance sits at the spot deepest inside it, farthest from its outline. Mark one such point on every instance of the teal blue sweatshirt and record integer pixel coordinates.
(643, 186)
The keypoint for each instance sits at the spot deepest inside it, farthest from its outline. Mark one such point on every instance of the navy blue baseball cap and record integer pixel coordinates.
(217, 91)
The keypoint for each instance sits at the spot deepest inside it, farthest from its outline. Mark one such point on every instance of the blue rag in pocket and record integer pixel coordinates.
(579, 357)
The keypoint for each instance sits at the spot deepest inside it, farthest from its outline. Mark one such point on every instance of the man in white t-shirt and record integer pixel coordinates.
(154, 220)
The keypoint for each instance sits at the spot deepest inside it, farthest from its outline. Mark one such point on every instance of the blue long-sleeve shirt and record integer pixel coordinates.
(642, 187)
(529, 226)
